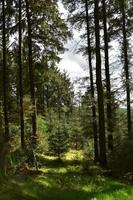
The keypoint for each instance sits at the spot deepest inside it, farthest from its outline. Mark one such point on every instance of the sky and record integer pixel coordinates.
(77, 66)
(71, 62)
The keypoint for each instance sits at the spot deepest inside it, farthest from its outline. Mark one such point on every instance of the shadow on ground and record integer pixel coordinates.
(63, 187)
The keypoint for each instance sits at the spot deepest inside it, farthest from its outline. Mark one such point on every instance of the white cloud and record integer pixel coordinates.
(71, 62)
(71, 65)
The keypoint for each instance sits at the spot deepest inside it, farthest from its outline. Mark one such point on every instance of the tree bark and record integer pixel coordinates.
(92, 86)
(31, 73)
(5, 78)
(102, 140)
(107, 75)
(21, 78)
(126, 68)
(2, 148)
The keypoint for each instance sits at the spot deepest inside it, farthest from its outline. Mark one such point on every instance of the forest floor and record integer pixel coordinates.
(64, 181)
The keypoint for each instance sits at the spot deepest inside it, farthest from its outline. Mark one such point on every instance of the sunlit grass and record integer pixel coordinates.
(63, 181)
(74, 155)
(64, 187)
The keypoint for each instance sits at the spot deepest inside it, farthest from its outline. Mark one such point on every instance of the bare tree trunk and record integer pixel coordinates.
(102, 140)
(107, 75)
(92, 86)
(126, 68)
(4, 135)
(5, 79)
(31, 73)
(2, 146)
(21, 78)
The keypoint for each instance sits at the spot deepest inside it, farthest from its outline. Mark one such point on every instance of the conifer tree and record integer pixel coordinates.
(31, 73)
(21, 77)
(92, 85)
(5, 77)
(102, 140)
(126, 66)
(107, 75)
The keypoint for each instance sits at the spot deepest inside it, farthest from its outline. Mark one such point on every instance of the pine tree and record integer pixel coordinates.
(102, 141)
(92, 86)
(107, 75)
(5, 78)
(21, 77)
(31, 73)
(126, 67)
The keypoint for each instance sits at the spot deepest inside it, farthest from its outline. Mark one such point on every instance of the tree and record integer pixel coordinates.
(102, 143)
(58, 134)
(107, 75)
(123, 32)
(21, 77)
(4, 136)
(5, 78)
(77, 133)
(126, 67)
(92, 86)
(31, 73)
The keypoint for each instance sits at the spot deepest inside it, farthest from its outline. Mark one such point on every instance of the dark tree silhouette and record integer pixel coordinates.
(21, 77)
(92, 85)
(31, 72)
(102, 142)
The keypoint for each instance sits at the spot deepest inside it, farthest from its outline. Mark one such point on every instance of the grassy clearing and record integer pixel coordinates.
(64, 187)
(57, 183)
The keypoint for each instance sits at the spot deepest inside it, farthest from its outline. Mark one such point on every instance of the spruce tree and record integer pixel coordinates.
(102, 140)
(95, 132)
(126, 67)
(21, 77)
(5, 77)
(107, 75)
(31, 73)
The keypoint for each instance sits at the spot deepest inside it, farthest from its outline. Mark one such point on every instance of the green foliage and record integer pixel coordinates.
(88, 150)
(42, 135)
(76, 132)
(20, 157)
(86, 115)
(61, 124)
(58, 134)
(15, 137)
(122, 157)
(64, 186)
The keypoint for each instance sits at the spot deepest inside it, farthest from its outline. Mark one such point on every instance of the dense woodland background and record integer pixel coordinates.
(40, 111)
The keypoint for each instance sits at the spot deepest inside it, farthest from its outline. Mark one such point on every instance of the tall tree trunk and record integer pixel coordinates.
(126, 68)
(102, 140)
(2, 146)
(5, 78)
(21, 78)
(92, 86)
(31, 73)
(107, 75)
(4, 135)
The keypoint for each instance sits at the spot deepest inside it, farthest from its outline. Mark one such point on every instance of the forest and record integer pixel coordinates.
(64, 139)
